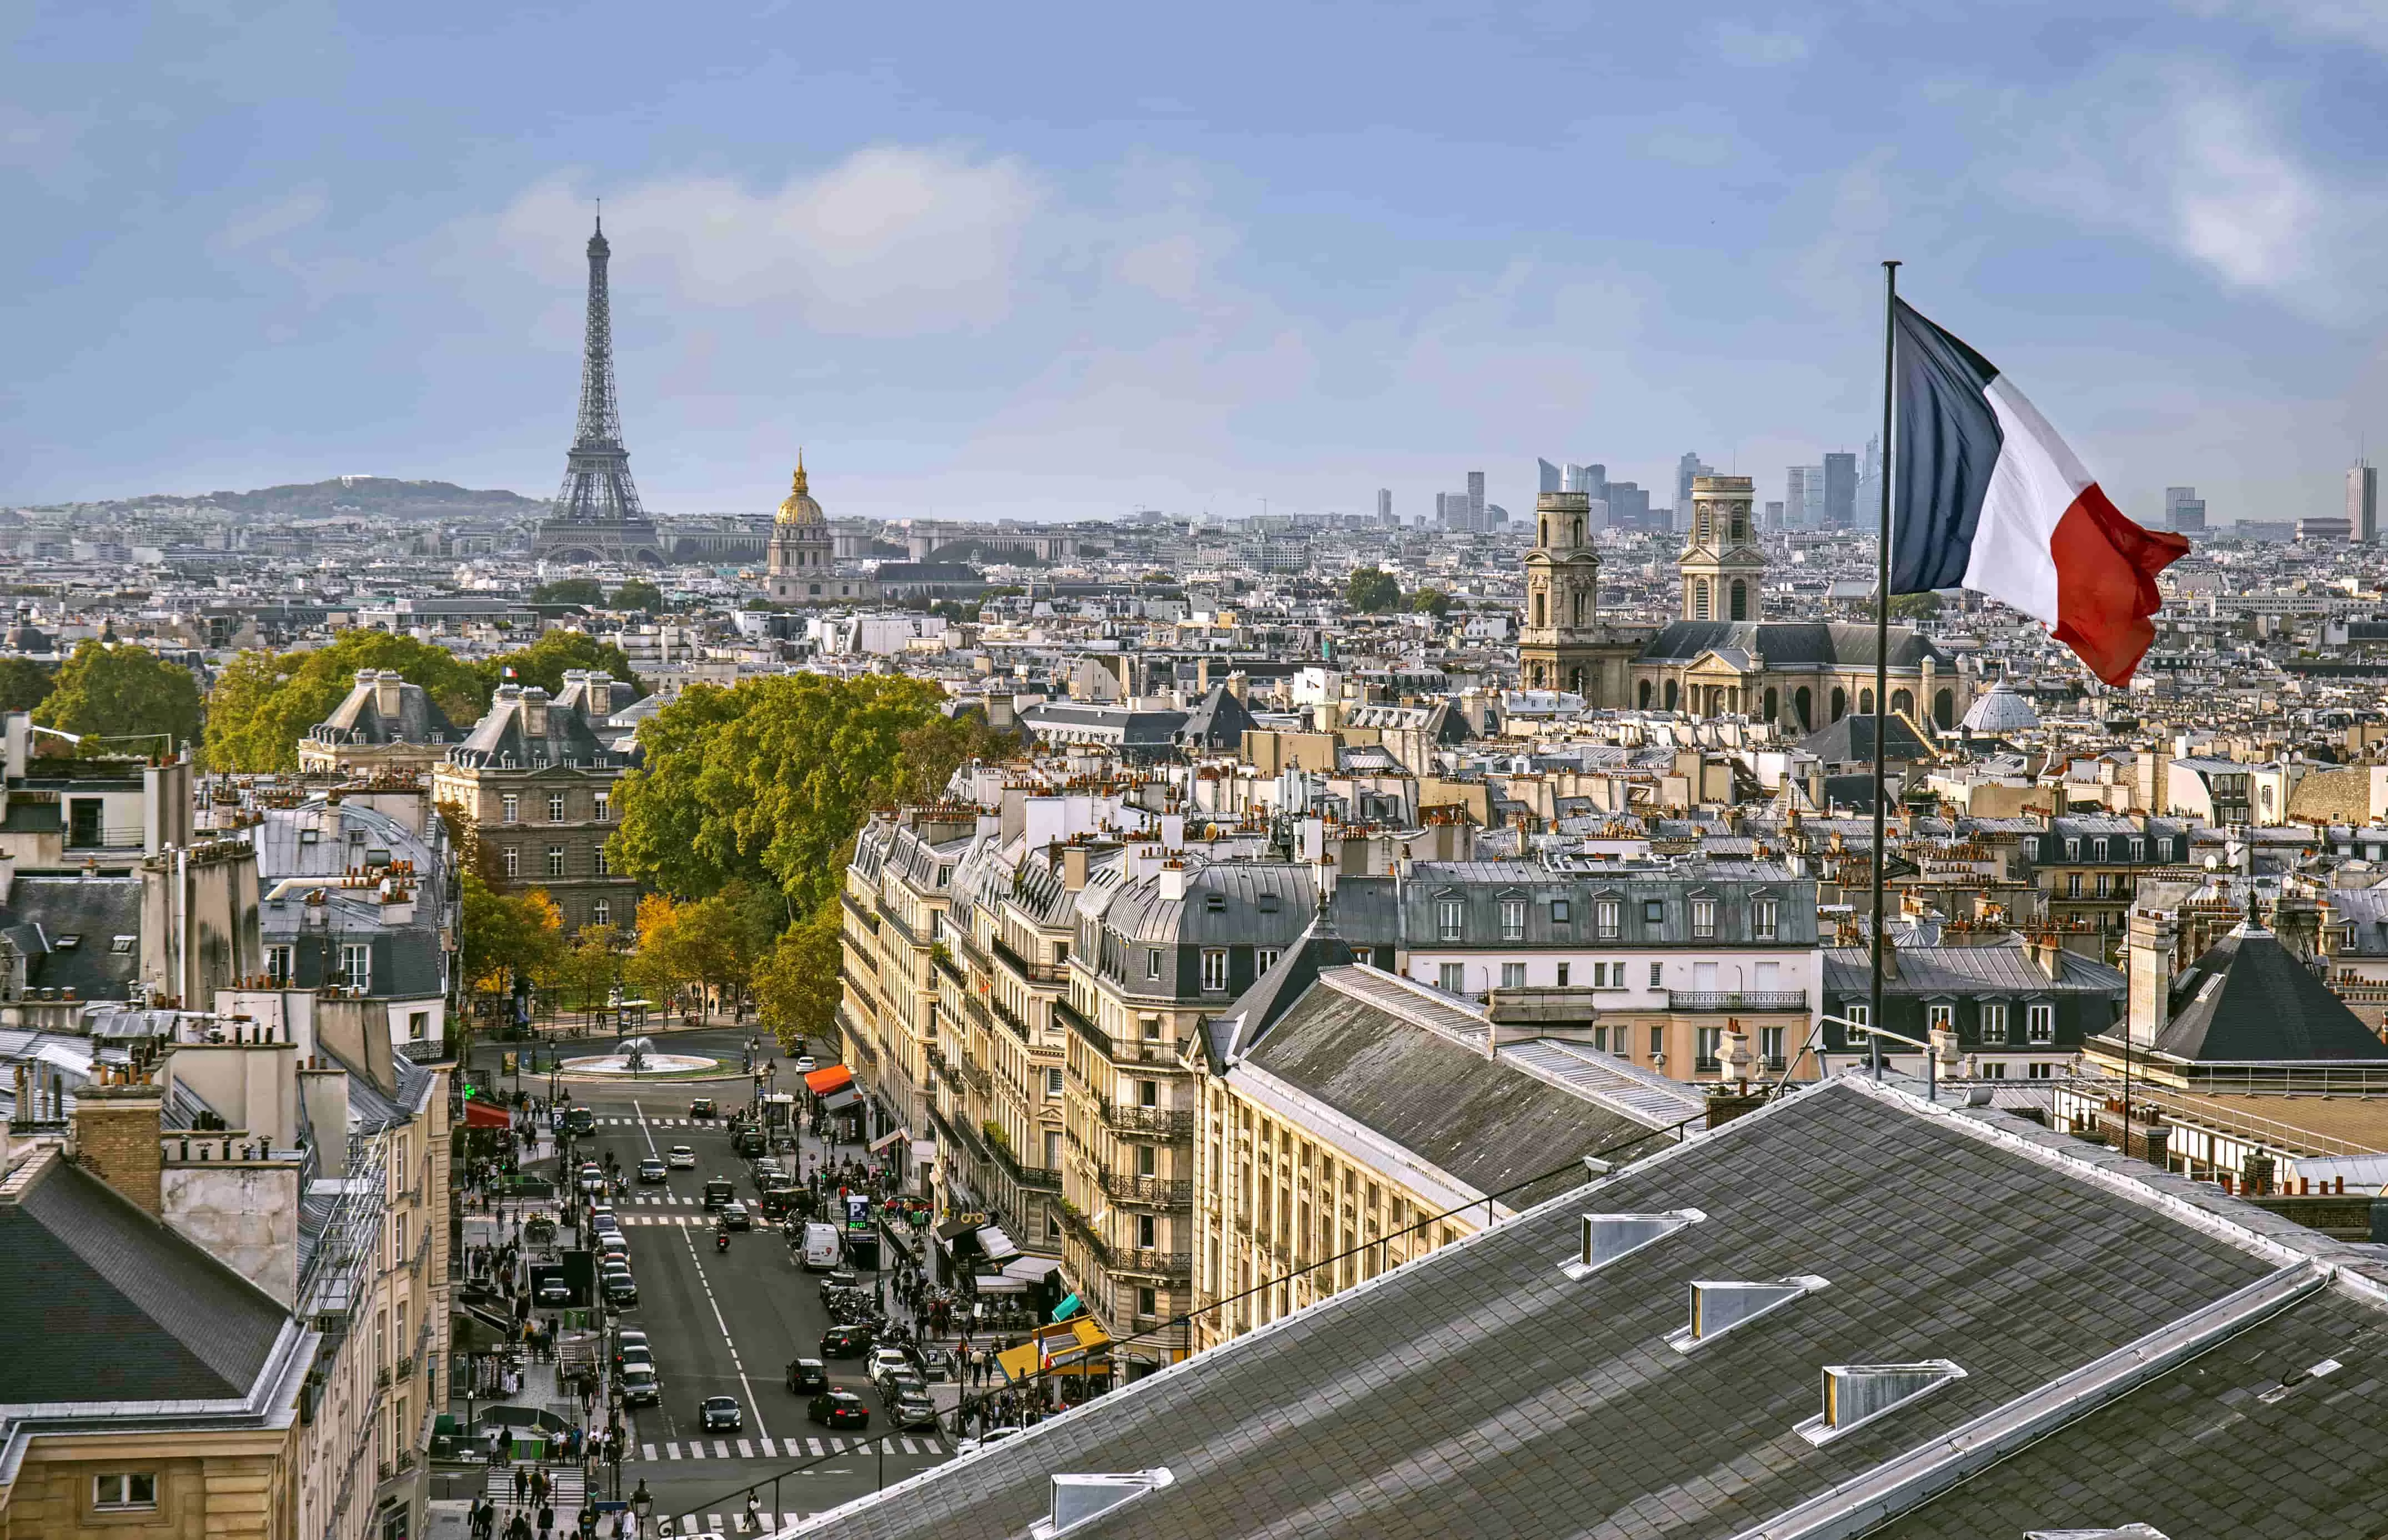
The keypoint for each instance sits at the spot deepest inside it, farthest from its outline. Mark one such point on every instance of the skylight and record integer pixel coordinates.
(2121, 1531)
(1079, 1500)
(1718, 1305)
(1608, 1237)
(1856, 1394)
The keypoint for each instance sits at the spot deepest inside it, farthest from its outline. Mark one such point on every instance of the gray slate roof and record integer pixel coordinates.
(98, 1301)
(43, 910)
(1480, 1392)
(1792, 643)
(2248, 1002)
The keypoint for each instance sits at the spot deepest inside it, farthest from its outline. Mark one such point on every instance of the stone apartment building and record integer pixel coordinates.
(1669, 951)
(899, 887)
(534, 780)
(384, 726)
(2088, 867)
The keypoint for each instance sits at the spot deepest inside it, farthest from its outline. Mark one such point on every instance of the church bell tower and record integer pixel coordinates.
(1722, 564)
(1557, 647)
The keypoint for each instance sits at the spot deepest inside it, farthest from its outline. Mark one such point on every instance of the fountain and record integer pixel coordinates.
(637, 1056)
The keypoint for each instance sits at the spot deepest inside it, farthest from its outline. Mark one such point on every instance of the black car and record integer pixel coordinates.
(553, 1292)
(839, 1409)
(621, 1291)
(719, 1414)
(579, 1120)
(807, 1377)
(735, 1214)
(749, 1141)
(845, 1342)
(652, 1171)
(720, 1190)
(701, 1107)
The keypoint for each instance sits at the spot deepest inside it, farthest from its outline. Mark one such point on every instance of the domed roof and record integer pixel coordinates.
(800, 508)
(2001, 710)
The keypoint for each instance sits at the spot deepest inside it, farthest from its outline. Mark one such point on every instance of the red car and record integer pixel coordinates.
(840, 1410)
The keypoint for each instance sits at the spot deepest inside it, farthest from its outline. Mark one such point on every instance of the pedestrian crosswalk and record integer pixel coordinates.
(660, 1123)
(767, 1526)
(819, 1446)
(566, 1486)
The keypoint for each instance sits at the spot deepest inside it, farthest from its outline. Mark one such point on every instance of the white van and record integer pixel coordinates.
(822, 1251)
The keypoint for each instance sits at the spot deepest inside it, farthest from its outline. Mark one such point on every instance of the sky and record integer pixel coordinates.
(1072, 261)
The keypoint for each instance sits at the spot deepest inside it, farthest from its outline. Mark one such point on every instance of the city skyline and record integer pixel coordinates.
(982, 315)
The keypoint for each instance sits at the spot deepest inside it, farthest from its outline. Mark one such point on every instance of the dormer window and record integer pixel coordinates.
(1449, 916)
(1703, 915)
(1513, 918)
(1561, 912)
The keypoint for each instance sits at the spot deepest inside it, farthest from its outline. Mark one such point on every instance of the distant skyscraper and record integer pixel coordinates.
(1547, 477)
(1803, 497)
(1870, 482)
(1773, 515)
(1384, 505)
(1629, 506)
(1476, 501)
(1840, 490)
(2184, 510)
(1591, 481)
(1689, 466)
(2363, 501)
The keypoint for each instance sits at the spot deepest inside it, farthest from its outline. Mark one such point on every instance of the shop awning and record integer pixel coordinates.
(486, 1115)
(841, 1099)
(925, 1151)
(1030, 1269)
(821, 1082)
(878, 1146)
(998, 1283)
(1054, 1348)
(996, 1246)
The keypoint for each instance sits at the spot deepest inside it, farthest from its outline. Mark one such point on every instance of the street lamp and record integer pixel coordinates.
(642, 1503)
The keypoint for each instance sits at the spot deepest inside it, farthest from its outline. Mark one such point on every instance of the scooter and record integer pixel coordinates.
(722, 1239)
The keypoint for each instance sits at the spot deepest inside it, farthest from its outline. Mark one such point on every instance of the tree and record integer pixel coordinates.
(584, 971)
(569, 591)
(638, 593)
(1371, 590)
(504, 934)
(1430, 600)
(263, 703)
(125, 698)
(767, 781)
(936, 748)
(545, 661)
(1915, 606)
(24, 684)
(795, 984)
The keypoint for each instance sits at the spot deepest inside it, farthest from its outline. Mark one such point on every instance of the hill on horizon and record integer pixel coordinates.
(340, 494)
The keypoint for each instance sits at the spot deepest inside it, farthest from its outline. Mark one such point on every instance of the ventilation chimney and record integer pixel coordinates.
(1856, 1394)
(1080, 1500)
(1608, 1237)
(1718, 1305)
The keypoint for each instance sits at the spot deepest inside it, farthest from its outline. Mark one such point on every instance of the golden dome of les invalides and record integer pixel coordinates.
(800, 508)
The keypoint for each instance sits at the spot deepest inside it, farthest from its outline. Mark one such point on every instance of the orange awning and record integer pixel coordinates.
(821, 1082)
(486, 1115)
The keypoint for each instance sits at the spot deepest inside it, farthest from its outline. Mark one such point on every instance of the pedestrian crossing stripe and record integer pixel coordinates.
(816, 1448)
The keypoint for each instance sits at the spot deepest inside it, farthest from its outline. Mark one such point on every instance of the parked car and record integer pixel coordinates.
(845, 1342)
(911, 1408)
(991, 1437)
(822, 1252)
(641, 1387)
(807, 1377)
(903, 1382)
(621, 1290)
(804, 1064)
(767, 1175)
(735, 1214)
(679, 1157)
(719, 1414)
(749, 1141)
(839, 1409)
(652, 1171)
(592, 1178)
(884, 1360)
(638, 1357)
(701, 1106)
(626, 1339)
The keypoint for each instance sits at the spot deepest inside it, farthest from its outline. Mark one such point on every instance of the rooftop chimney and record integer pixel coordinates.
(116, 1131)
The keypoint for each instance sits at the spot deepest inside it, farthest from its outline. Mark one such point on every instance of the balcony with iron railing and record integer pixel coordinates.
(855, 907)
(1040, 972)
(1068, 1016)
(1166, 1123)
(1158, 1191)
(1705, 1002)
(1019, 1029)
(1133, 1260)
(1034, 1179)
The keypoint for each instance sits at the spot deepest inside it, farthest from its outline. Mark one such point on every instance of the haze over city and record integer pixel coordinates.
(995, 270)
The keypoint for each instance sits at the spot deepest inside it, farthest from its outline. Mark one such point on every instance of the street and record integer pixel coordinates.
(727, 1323)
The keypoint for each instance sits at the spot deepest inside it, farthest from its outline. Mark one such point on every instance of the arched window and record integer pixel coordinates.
(1670, 694)
(1740, 600)
(1578, 531)
(1772, 703)
(1699, 598)
(1642, 695)
(1902, 703)
(1803, 706)
(1544, 538)
(1840, 703)
(1538, 676)
(1579, 607)
(1944, 709)
(1865, 703)
(1575, 682)
(1740, 531)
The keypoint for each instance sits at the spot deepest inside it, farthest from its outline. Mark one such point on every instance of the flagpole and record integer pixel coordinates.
(1882, 645)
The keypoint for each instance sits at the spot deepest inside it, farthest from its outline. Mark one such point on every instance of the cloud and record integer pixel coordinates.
(891, 241)
(2360, 21)
(47, 148)
(2211, 175)
(1739, 42)
(268, 223)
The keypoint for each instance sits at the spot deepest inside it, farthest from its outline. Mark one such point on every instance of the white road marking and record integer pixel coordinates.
(813, 1446)
(648, 1450)
(746, 1450)
(671, 1451)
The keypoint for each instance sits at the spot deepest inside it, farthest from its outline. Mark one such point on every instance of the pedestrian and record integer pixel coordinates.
(521, 1483)
(546, 1521)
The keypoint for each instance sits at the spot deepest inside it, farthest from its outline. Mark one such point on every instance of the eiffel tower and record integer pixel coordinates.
(597, 516)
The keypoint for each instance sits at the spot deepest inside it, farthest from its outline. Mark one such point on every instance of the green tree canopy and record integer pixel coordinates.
(24, 684)
(638, 593)
(263, 703)
(544, 663)
(125, 698)
(1430, 600)
(1915, 606)
(502, 933)
(767, 781)
(1371, 590)
(795, 984)
(569, 591)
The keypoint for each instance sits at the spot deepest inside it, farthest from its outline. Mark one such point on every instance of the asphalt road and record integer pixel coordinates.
(727, 1324)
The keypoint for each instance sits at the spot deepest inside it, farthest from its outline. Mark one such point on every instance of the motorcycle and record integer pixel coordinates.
(722, 1239)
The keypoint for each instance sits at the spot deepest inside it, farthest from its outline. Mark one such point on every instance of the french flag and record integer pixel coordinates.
(1986, 497)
